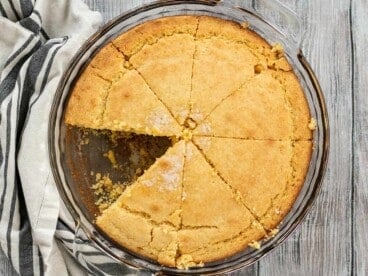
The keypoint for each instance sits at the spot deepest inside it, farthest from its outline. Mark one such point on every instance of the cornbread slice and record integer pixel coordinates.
(109, 63)
(256, 111)
(299, 105)
(126, 104)
(157, 193)
(162, 51)
(137, 234)
(281, 205)
(151, 208)
(215, 224)
(132, 106)
(87, 101)
(265, 168)
(168, 71)
(220, 67)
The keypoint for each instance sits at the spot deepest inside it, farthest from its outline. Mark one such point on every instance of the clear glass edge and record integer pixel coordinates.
(55, 154)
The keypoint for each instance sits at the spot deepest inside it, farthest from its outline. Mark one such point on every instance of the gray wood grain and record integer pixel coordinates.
(322, 245)
(360, 138)
(333, 239)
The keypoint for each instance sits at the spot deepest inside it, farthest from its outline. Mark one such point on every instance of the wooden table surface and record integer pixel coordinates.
(333, 239)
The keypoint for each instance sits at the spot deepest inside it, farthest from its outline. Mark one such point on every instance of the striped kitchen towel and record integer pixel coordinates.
(37, 40)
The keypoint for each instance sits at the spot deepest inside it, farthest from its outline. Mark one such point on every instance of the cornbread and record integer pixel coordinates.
(241, 131)
(106, 191)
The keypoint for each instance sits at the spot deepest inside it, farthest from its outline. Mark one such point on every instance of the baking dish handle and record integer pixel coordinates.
(277, 15)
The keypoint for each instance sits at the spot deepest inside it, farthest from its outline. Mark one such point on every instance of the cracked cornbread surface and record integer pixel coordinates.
(239, 121)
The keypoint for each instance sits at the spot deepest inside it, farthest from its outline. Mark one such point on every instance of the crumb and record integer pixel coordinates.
(84, 138)
(114, 138)
(106, 191)
(312, 124)
(85, 141)
(273, 233)
(138, 171)
(245, 25)
(103, 206)
(98, 177)
(278, 50)
(186, 261)
(111, 156)
(255, 245)
(257, 225)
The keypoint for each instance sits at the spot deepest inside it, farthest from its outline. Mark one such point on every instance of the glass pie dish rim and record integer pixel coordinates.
(141, 263)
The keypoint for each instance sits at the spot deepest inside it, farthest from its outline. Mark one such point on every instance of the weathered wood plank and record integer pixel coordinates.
(322, 245)
(360, 138)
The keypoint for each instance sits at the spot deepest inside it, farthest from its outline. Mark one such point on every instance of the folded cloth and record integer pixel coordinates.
(37, 40)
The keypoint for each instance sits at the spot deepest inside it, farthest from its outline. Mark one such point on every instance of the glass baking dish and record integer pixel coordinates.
(71, 165)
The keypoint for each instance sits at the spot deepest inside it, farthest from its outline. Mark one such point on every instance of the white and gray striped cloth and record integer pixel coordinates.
(37, 40)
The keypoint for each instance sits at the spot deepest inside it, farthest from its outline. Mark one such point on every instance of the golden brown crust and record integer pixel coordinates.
(281, 205)
(132, 106)
(298, 103)
(214, 251)
(109, 63)
(157, 192)
(264, 172)
(133, 41)
(228, 64)
(212, 26)
(137, 234)
(220, 86)
(152, 206)
(211, 213)
(127, 104)
(113, 106)
(88, 94)
(168, 71)
(256, 111)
